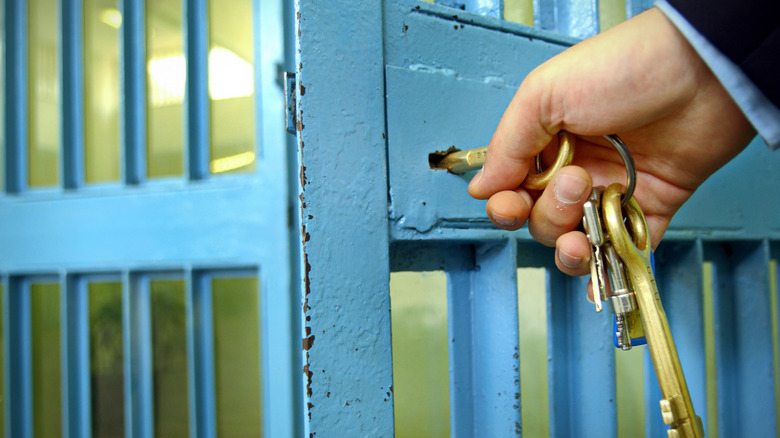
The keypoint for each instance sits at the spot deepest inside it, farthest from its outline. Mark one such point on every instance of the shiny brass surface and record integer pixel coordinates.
(632, 243)
(538, 181)
(460, 162)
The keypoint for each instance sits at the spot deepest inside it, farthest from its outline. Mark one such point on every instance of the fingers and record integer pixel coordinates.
(559, 209)
(509, 209)
(572, 254)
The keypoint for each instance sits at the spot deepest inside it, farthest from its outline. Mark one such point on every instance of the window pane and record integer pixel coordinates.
(418, 303)
(532, 327)
(169, 341)
(47, 409)
(106, 359)
(166, 76)
(102, 21)
(237, 356)
(231, 86)
(630, 389)
(519, 11)
(611, 12)
(44, 95)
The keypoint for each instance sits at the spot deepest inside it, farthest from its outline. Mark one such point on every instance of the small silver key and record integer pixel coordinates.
(591, 222)
(622, 301)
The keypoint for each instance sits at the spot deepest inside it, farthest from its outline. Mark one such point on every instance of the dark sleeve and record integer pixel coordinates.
(745, 31)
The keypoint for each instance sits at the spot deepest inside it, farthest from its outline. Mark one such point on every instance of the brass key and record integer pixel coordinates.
(460, 162)
(634, 249)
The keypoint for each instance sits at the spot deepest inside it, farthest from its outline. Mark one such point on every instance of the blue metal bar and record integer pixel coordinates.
(491, 8)
(197, 98)
(7, 351)
(19, 418)
(348, 370)
(76, 400)
(15, 92)
(582, 360)
(127, 354)
(495, 340)
(203, 422)
(459, 327)
(576, 18)
(679, 276)
(744, 352)
(72, 113)
(133, 68)
(582, 402)
(634, 7)
(139, 397)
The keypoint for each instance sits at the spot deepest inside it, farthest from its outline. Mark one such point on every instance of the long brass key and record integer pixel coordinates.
(460, 162)
(634, 249)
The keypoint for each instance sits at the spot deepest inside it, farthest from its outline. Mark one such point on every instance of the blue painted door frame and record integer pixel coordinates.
(382, 86)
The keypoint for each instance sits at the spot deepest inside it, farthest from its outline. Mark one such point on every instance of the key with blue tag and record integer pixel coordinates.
(630, 244)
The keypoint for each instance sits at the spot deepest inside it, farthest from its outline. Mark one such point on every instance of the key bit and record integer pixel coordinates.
(457, 161)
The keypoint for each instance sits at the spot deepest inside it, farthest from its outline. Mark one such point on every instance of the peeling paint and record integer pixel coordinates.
(308, 342)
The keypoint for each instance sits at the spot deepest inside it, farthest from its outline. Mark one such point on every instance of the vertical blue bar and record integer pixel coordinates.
(72, 72)
(634, 7)
(7, 358)
(495, 341)
(74, 305)
(459, 322)
(197, 97)
(127, 352)
(347, 372)
(576, 18)
(582, 358)
(140, 396)
(15, 117)
(743, 345)
(19, 363)
(491, 8)
(680, 278)
(201, 370)
(133, 67)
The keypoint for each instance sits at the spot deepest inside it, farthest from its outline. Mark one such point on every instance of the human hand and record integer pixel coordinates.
(640, 80)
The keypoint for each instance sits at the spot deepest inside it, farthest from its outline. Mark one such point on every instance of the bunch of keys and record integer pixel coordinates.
(621, 272)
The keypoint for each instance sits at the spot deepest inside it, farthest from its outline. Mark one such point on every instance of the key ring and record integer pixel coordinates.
(628, 160)
(539, 180)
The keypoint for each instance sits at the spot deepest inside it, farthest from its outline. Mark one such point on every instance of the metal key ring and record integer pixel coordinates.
(628, 160)
(540, 179)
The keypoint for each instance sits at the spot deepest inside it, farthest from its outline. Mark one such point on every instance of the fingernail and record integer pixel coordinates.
(475, 181)
(569, 189)
(589, 298)
(569, 260)
(504, 221)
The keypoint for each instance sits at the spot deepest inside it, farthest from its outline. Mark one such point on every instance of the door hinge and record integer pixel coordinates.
(290, 119)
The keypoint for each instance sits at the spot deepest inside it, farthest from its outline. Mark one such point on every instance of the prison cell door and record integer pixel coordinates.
(144, 240)
(382, 86)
